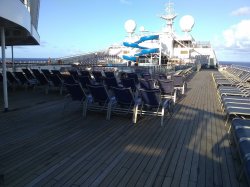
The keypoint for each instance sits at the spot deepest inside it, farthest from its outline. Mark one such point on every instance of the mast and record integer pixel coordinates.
(169, 17)
(167, 37)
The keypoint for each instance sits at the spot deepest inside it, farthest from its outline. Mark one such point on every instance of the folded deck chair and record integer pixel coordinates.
(126, 102)
(153, 104)
(101, 100)
(76, 92)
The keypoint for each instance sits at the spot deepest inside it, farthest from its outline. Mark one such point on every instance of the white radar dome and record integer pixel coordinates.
(130, 26)
(142, 28)
(186, 23)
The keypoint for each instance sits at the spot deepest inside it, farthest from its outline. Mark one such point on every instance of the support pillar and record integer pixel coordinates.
(5, 89)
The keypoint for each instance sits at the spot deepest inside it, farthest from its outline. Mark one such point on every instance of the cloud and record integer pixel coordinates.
(233, 44)
(241, 11)
(238, 36)
(127, 2)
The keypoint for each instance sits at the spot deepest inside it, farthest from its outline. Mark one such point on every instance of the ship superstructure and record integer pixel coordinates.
(164, 47)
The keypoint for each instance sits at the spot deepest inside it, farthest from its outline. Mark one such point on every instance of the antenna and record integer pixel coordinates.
(169, 16)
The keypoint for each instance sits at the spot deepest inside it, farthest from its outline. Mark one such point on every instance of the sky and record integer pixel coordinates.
(71, 27)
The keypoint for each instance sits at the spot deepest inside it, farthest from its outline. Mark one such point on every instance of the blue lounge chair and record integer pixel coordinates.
(85, 73)
(133, 76)
(98, 76)
(85, 80)
(125, 102)
(152, 104)
(147, 84)
(146, 76)
(101, 100)
(111, 82)
(129, 83)
(40, 77)
(76, 92)
(167, 89)
(28, 74)
(68, 79)
(179, 83)
(241, 135)
(75, 74)
(55, 82)
(109, 74)
(57, 72)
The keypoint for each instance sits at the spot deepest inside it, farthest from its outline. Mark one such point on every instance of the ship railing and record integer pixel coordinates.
(202, 44)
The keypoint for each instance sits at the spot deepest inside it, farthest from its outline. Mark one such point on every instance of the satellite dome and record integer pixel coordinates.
(130, 26)
(186, 23)
(142, 28)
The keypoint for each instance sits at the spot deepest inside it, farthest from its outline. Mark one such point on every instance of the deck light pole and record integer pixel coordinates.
(5, 91)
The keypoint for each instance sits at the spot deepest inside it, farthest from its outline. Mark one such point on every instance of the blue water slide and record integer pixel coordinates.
(144, 50)
(145, 38)
(142, 39)
(134, 45)
(129, 58)
(147, 51)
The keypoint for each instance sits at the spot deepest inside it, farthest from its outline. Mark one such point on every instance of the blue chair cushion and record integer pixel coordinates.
(242, 133)
(244, 148)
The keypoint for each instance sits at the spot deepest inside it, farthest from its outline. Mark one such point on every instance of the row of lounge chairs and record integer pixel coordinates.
(128, 93)
(233, 90)
(142, 93)
(123, 101)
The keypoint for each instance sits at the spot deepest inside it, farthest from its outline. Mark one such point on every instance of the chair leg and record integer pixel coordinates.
(241, 173)
(174, 97)
(135, 113)
(84, 110)
(183, 89)
(46, 90)
(162, 115)
(110, 104)
(61, 90)
(227, 119)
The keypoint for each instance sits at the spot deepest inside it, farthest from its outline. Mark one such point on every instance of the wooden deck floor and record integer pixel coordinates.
(42, 146)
